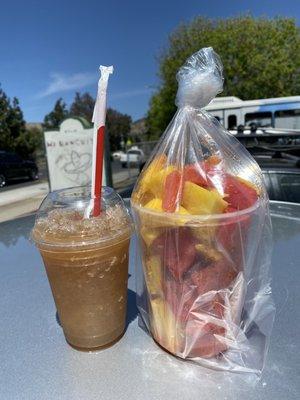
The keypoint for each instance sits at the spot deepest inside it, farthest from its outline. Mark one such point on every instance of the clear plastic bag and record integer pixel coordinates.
(202, 219)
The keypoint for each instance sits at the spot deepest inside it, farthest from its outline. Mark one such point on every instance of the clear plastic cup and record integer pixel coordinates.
(193, 278)
(86, 261)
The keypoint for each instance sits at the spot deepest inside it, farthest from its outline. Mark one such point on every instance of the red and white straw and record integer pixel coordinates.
(99, 116)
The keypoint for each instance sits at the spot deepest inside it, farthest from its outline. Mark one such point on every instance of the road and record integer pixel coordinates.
(22, 199)
(19, 184)
(121, 178)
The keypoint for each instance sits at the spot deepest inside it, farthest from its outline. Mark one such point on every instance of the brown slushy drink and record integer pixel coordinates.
(86, 260)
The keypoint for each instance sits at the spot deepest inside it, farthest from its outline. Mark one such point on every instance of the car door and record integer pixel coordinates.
(9, 166)
(21, 167)
(3, 165)
(268, 184)
(289, 184)
(15, 166)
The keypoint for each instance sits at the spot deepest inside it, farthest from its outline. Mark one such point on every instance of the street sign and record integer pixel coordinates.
(69, 154)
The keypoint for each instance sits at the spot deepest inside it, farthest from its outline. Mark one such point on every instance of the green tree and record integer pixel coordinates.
(16, 120)
(83, 106)
(6, 141)
(12, 124)
(261, 59)
(30, 142)
(117, 126)
(13, 133)
(56, 116)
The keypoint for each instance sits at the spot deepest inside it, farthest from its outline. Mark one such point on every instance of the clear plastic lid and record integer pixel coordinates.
(61, 220)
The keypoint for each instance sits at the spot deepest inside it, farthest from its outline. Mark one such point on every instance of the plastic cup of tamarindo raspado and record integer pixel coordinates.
(86, 261)
(83, 236)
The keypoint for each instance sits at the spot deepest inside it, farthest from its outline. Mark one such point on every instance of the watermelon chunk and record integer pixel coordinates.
(231, 238)
(199, 321)
(180, 297)
(196, 174)
(238, 194)
(177, 250)
(200, 172)
(216, 276)
(205, 345)
(172, 191)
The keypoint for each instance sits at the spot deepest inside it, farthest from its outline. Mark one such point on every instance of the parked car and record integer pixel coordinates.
(280, 164)
(134, 156)
(282, 184)
(13, 167)
(116, 155)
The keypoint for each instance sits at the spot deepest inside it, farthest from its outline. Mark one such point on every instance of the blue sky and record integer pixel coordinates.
(50, 49)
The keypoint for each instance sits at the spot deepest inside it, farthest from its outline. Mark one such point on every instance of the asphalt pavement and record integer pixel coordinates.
(22, 197)
(19, 184)
(123, 177)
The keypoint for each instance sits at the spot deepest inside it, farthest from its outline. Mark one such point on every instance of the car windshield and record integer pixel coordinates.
(278, 155)
(137, 152)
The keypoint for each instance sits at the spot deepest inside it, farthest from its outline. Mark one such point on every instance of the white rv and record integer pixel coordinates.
(280, 112)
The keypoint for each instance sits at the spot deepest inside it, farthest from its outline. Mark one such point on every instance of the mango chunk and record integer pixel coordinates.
(183, 211)
(156, 166)
(210, 253)
(153, 275)
(197, 200)
(165, 328)
(143, 194)
(139, 197)
(157, 181)
(153, 180)
(150, 222)
(148, 235)
(204, 234)
(155, 204)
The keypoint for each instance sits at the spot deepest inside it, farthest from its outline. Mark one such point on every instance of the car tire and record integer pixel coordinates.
(2, 181)
(33, 175)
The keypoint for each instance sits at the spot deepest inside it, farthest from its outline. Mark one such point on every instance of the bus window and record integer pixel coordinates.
(261, 119)
(232, 121)
(289, 119)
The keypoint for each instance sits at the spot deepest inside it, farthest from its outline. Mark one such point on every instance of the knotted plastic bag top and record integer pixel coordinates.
(200, 79)
(196, 154)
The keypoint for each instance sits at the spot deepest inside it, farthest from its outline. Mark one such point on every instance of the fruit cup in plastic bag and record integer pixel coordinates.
(202, 218)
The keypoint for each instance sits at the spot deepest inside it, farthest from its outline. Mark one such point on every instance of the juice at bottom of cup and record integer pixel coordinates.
(89, 287)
